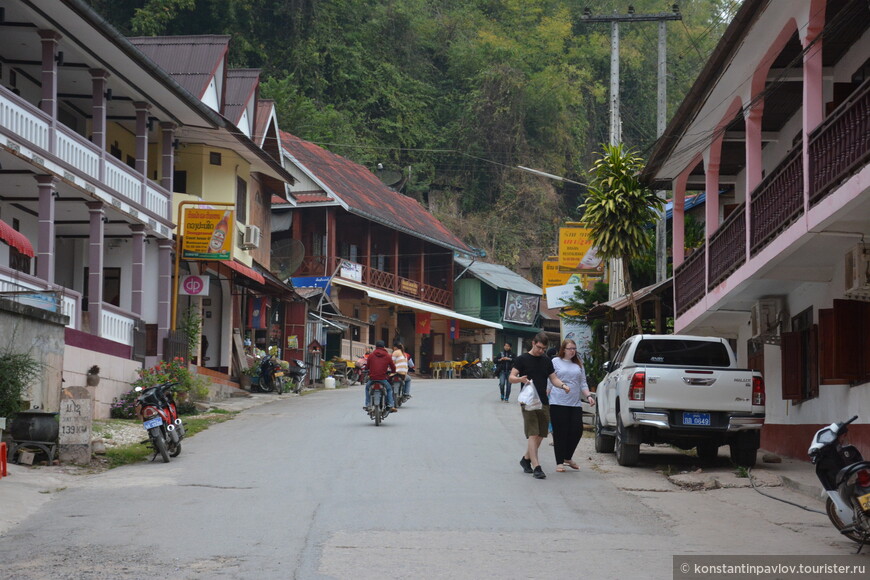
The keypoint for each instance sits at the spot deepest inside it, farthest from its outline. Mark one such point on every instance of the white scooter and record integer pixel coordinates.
(846, 478)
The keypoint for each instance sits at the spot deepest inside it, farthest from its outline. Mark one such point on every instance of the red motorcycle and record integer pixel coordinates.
(156, 407)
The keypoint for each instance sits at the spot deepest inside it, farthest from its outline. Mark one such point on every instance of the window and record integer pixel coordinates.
(241, 200)
(696, 353)
(844, 347)
(214, 158)
(800, 360)
(179, 181)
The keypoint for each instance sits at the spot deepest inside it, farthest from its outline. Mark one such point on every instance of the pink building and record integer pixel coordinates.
(776, 131)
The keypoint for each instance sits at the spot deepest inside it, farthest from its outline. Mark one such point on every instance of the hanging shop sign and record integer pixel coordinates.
(193, 286)
(208, 234)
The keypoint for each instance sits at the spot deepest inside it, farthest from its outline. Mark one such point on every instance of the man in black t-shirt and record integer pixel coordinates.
(535, 367)
(504, 362)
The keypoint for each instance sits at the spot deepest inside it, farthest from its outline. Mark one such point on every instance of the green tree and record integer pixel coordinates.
(619, 211)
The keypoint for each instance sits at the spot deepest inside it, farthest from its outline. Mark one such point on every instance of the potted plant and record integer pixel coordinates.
(249, 376)
(92, 378)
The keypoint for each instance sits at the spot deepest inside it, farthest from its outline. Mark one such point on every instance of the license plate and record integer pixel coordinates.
(864, 500)
(279, 374)
(155, 422)
(696, 418)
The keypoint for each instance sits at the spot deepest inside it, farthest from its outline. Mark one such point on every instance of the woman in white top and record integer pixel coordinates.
(566, 415)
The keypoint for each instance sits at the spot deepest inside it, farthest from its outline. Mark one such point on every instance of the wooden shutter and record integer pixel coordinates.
(812, 358)
(792, 363)
(826, 347)
(848, 339)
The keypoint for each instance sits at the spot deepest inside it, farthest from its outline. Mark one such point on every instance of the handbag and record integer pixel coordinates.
(529, 398)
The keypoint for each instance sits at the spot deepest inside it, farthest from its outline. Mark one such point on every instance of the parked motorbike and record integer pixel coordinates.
(156, 407)
(846, 478)
(378, 410)
(271, 375)
(297, 374)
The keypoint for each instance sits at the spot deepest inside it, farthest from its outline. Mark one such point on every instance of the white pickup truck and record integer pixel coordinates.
(683, 390)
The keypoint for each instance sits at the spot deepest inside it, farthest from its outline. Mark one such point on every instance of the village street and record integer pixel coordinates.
(308, 487)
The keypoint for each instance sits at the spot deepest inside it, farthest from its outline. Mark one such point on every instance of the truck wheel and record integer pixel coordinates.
(627, 454)
(744, 449)
(708, 451)
(603, 443)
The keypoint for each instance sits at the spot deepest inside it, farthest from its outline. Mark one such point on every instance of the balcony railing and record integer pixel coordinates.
(727, 246)
(70, 300)
(689, 281)
(778, 200)
(117, 325)
(27, 124)
(840, 145)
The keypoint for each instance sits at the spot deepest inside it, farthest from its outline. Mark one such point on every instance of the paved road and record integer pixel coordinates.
(309, 488)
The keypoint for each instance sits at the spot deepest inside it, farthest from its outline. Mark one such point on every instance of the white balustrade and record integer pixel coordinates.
(118, 177)
(157, 201)
(74, 150)
(23, 123)
(115, 326)
(69, 303)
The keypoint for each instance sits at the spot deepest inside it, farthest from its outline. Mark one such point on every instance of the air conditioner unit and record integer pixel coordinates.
(857, 272)
(252, 237)
(767, 317)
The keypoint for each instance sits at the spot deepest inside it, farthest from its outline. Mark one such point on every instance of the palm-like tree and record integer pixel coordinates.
(619, 211)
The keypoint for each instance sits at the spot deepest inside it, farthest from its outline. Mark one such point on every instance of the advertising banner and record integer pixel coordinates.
(575, 249)
(521, 308)
(351, 271)
(208, 234)
(194, 286)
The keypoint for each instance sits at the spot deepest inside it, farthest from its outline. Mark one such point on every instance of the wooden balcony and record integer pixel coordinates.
(379, 280)
(841, 145)
(778, 200)
(727, 247)
(77, 158)
(689, 281)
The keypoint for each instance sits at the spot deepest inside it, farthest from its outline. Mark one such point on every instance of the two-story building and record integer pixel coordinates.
(95, 138)
(389, 261)
(776, 132)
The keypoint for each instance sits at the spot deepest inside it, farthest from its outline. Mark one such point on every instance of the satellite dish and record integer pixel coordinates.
(287, 256)
(388, 176)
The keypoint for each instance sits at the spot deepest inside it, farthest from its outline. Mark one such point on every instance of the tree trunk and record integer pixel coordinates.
(628, 288)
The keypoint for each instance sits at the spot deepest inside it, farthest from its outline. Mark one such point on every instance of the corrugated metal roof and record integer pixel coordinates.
(499, 277)
(366, 195)
(191, 60)
(241, 88)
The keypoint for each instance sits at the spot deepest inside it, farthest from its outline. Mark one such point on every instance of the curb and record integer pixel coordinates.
(811, 491)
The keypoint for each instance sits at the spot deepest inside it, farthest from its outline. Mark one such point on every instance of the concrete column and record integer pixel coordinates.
(678, 220)
(138, 272)
(95, 265)
(142, 137)
(48, 104)
(45, 263)
(164, 292)
(99, 82)
(711, 205)
(754, 166)
(167, 161)
(813, 98)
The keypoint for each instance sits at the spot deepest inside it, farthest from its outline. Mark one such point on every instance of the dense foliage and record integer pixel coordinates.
(454, 94)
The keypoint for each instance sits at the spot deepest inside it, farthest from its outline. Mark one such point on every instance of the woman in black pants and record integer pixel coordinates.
(566, 415)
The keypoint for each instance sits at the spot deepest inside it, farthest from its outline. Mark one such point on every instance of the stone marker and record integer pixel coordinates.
(76, 421)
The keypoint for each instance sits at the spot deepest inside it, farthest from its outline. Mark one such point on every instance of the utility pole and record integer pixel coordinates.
(617, 284)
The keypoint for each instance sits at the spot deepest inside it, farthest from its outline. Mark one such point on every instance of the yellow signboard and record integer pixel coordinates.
(208, 234)
(553, 276)
(575, 249)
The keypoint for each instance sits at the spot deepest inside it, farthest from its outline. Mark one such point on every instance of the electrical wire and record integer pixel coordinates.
(809, 509)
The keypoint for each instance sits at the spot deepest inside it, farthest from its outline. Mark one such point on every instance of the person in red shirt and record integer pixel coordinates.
(380, 364)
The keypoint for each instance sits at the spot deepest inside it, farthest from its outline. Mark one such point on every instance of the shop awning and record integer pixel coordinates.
(415, 304)
(245, 271)
(16, 239)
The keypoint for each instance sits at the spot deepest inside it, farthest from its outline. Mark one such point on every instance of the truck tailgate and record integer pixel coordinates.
(710, 389)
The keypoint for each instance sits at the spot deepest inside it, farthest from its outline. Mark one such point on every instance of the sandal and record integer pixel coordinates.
(572, 464)
(560, 468)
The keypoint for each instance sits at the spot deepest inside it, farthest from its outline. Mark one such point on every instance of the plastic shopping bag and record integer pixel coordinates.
(529, 398)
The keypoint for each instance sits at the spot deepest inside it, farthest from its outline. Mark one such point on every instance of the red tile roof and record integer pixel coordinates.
(191, 60)
(367, 196)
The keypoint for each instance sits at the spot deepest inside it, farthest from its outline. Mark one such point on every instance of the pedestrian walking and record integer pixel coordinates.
(566, 412)
(534, 367)
(504, 362)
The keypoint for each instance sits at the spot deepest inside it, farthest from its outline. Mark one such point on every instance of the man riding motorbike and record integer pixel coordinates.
(380, 364)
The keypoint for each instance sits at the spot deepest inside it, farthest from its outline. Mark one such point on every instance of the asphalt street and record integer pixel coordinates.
(308, 487)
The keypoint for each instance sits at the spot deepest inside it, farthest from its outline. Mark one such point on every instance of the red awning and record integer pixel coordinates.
(16, 239)
(245, 271)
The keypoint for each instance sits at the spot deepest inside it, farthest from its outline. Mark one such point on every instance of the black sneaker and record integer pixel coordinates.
(539, 473)
(527, 465)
